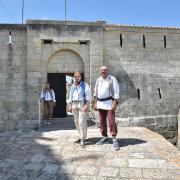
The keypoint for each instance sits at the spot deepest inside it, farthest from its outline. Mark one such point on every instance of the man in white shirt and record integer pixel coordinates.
(48, 98)
(79, 98)
(106, 93)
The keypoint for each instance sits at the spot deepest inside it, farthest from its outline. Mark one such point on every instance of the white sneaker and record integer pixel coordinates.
(82, 143)
(116, 144)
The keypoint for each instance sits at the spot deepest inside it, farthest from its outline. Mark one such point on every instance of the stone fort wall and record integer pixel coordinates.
(145, 61)
(12, 75)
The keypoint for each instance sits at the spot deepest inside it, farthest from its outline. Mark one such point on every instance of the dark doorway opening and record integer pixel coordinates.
(58, 83)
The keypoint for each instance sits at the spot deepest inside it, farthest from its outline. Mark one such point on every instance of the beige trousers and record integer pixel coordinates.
(80, 119)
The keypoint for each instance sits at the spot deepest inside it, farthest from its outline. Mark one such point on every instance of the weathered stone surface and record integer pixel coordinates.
(85, 170)
(143, 155)
(130, 173)
(38, 158)
(117, 163)
(34, 166)
(109, 172)
(67, 169)
(51, 168)
(147, 163)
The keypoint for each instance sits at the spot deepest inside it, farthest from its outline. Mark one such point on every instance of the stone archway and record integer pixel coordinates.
(65, 61)
(60, 64)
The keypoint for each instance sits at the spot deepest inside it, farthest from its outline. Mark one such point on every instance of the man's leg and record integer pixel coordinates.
(113, 128)
(75, 112)
(50, 108)
(112, 123)
(82, 125)
(45, 112)
(103, 126)
(103, 122)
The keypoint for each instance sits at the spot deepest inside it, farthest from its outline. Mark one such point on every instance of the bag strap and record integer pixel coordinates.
(111, 89)
(51, 93)
(83, 85)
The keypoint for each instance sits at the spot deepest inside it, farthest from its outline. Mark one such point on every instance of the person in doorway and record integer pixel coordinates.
(106, 93)
(80, 96)
(49, 101)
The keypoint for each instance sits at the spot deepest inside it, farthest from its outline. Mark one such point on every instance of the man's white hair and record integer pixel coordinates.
(103, 67)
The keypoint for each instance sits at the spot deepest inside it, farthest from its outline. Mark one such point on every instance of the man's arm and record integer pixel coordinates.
(54, 99)
(87, 92)
(88, 97)
(53, 96)
(70, 100)
(116, 94)
(95, 96)
(42, 96)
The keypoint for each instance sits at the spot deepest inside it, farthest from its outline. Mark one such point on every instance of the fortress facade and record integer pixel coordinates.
(145, 60)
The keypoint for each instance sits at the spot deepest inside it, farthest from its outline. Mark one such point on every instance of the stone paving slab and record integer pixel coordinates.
(39, 155)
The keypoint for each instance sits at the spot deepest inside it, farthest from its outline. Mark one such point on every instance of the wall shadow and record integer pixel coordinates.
(127, 88)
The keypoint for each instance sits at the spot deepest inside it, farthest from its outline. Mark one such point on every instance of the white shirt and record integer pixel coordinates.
(78, 93)
(45, 95)
(102, 90)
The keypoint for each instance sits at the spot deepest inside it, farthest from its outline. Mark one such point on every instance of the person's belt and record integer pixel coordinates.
(105, 99)
(48, 101)
(77, 100)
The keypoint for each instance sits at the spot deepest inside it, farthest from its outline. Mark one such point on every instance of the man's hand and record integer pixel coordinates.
(95, 106)
(54, 103)
(114, 105)
(85, 109)
(70, 108)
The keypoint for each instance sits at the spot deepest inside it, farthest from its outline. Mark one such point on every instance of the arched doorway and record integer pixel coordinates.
(61, 64)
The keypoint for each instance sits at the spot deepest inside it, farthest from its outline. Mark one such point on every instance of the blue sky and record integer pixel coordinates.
(139, 12)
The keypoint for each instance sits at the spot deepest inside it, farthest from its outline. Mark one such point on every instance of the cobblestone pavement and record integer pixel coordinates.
(52, 155)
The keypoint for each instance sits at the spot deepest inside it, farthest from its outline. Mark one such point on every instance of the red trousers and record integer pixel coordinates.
(110, 115)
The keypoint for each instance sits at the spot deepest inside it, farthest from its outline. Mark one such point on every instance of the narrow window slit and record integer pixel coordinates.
(10, 38)
(47, 41)
(138, 91)
(120, 40)
(144, 41)
(164, 41)
(159, 90)
(85, 42)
